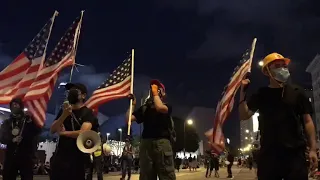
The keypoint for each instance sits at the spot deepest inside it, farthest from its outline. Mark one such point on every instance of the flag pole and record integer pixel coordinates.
(55, 14)
(76, 44)
(131, 91)
(253, 46)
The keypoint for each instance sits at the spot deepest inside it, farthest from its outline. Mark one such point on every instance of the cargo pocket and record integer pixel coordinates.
(167, 161)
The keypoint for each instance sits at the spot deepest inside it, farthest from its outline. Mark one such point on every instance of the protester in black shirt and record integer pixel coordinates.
(20, 134)
(156, 155)
(69, 162)
(230, 158)
(284, 116)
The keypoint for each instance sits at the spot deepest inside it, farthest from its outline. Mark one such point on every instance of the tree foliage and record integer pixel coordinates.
(188, 138)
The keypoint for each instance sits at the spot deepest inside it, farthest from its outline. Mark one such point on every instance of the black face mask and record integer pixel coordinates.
(73, 96)
(16, 112)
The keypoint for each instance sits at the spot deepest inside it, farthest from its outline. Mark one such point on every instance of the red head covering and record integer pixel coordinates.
(158, 83)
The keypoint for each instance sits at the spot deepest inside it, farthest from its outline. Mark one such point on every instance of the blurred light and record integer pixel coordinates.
(4, 109)
(252, 138)
(108, 134)
(260, 63)
(8, 110)
(247, 131)
(120, 129)
(62, 84)
(228, 140)
(255, 122)
(246, 137)
(190, 122)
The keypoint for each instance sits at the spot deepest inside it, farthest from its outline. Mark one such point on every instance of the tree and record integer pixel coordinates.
(192, 138)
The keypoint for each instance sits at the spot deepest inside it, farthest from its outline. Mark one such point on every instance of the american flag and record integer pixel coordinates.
(225, 105)
(17, 77)
(116, 86)
(41, 89)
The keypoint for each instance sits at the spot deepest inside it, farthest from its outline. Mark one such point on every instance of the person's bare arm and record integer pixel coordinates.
(244, 112)
(86, 126)
(58, 124)
(158, 104)
(310, 130)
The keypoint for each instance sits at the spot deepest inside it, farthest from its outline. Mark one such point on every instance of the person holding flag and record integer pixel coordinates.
(156, 154)
(284, 116)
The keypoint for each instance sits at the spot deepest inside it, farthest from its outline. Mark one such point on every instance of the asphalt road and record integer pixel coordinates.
(182, 175)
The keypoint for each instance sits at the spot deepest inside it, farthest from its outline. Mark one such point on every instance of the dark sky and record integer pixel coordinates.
(191, 45)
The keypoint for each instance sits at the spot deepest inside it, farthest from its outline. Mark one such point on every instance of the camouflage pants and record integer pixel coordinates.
(156, 159)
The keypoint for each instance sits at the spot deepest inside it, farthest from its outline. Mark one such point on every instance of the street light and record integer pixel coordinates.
(189, 122)
(120, 130)
(260, 63)
(108, 134)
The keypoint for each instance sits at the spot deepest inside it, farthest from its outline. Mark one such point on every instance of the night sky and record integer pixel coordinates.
(191, 45)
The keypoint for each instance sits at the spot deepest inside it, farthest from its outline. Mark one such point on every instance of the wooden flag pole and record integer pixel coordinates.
(131, 91)
(76, 44)
(252, 51)
(55, 14)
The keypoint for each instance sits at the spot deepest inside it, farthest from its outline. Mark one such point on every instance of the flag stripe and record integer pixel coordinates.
(41, 89)
(117, 85)
(17, 77)
(110, 94)
(225, 105)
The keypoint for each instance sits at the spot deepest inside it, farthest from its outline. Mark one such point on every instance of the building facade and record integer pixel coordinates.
(314, 69)
(249, 130)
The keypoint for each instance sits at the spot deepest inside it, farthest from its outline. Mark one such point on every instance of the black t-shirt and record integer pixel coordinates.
(155, 124)
(67, 146)
(280, 116)
(28, 144)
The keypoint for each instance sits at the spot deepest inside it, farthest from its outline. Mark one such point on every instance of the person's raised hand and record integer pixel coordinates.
(67, 108)
(133, 97)
(154, 89)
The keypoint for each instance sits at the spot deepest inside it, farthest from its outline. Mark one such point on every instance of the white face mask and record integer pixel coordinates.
(281, 74)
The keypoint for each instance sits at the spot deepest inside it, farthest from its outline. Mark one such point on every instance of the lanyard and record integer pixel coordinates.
(20, 133)
(74, 118)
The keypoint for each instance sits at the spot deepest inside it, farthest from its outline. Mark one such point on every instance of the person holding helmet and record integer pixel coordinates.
(284, 116)
(156, 155)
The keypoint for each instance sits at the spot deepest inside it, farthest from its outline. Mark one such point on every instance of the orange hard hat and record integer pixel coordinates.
(273, 57)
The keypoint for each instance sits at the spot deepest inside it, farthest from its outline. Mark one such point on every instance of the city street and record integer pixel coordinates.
(239, 174)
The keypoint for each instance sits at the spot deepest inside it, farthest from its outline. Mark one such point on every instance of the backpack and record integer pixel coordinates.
(172, 132)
